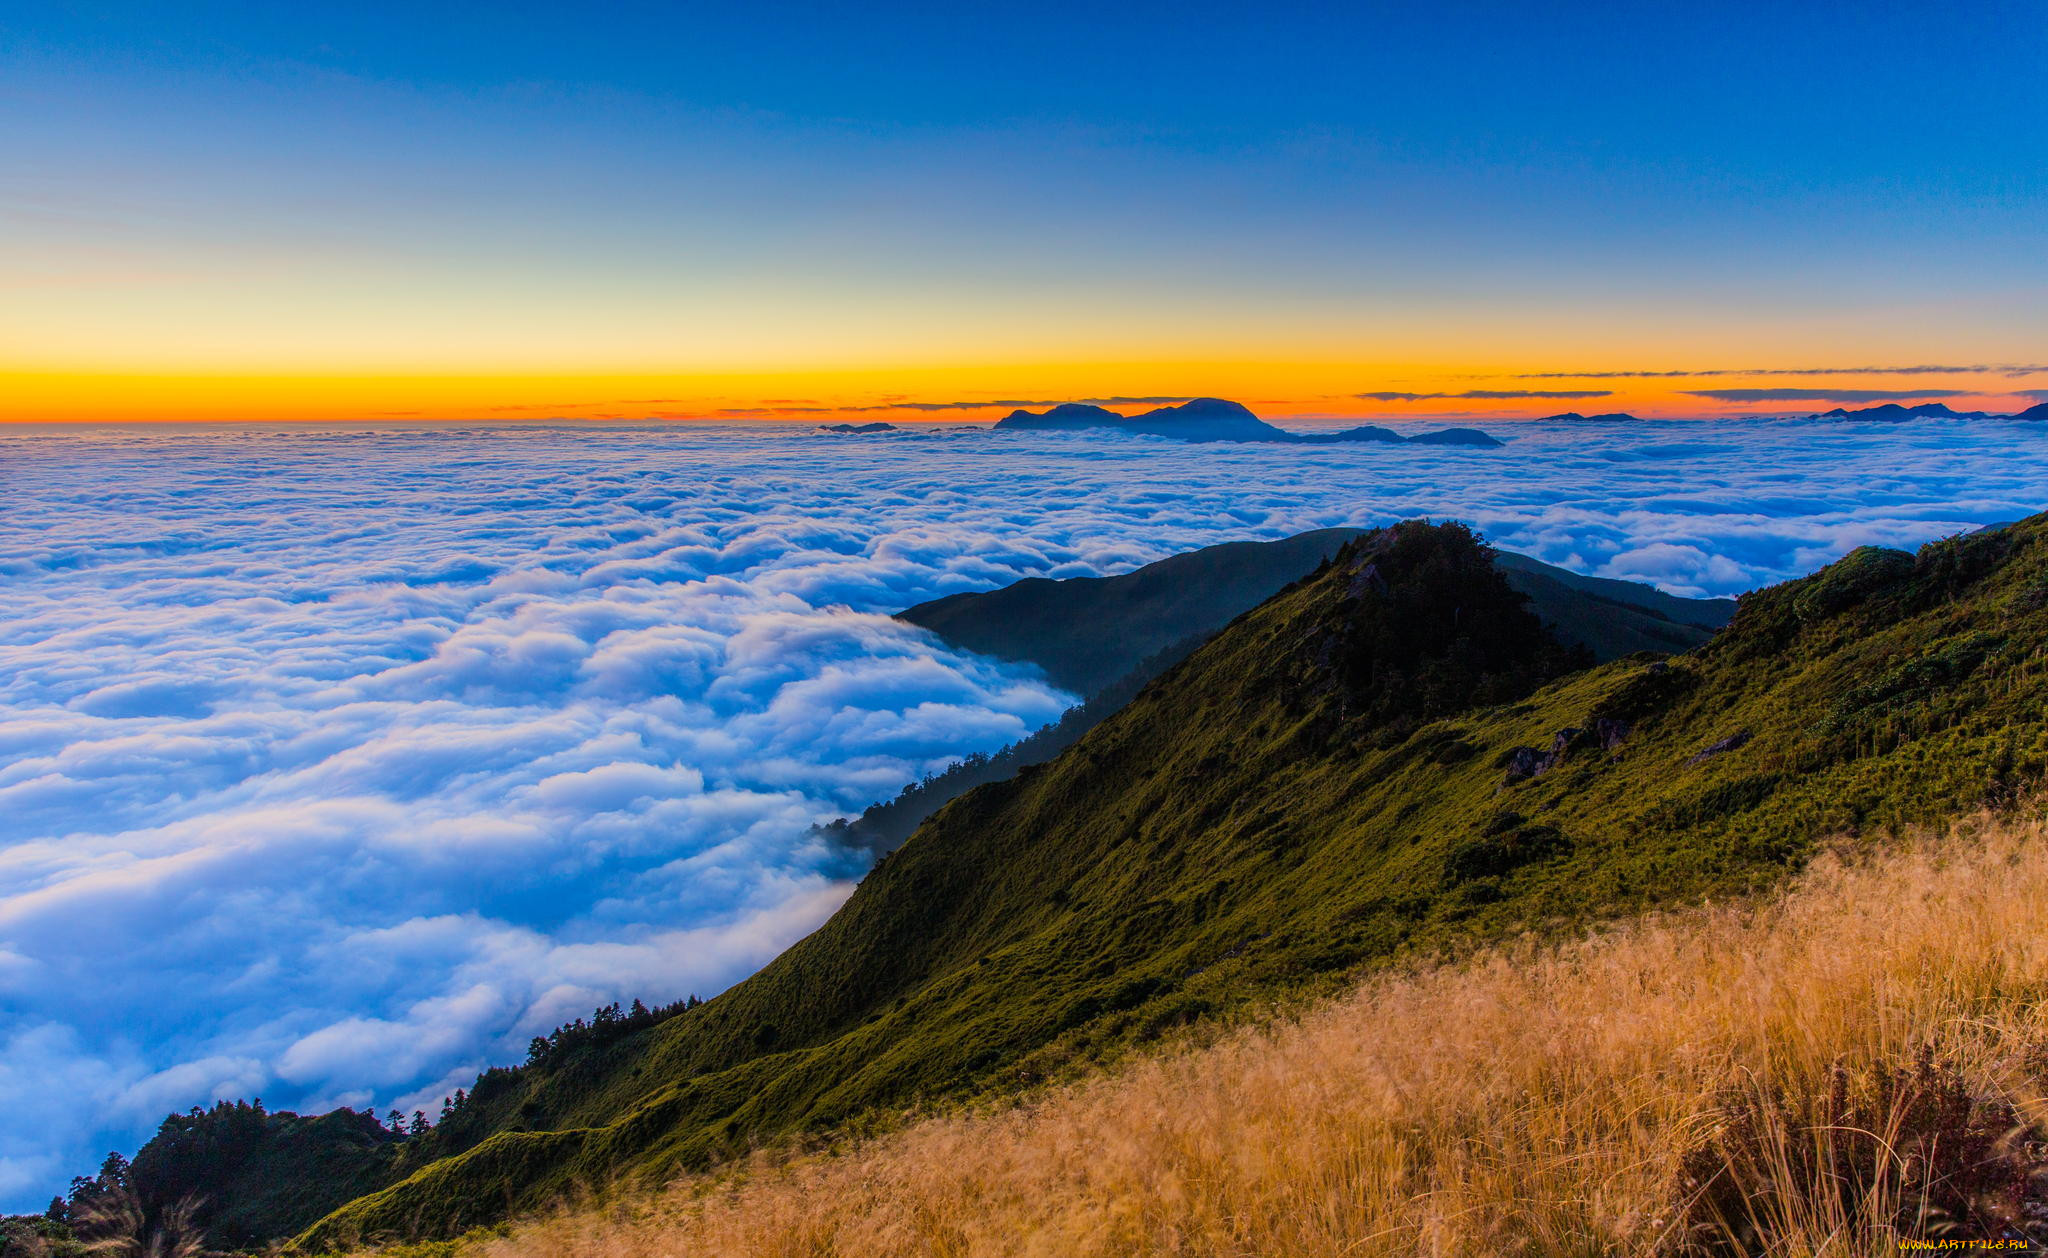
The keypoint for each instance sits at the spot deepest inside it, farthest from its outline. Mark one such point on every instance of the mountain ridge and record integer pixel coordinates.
(1087, 632)
(1893, 412)
(1387, 758)
(1311, 791)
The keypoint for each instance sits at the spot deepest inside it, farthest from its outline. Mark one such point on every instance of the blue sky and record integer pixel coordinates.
(1048, 193)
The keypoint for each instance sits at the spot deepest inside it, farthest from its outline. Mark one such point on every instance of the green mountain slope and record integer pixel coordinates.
(1380, 759)
(1613, 618)
(1083, 629)
(1089, 632)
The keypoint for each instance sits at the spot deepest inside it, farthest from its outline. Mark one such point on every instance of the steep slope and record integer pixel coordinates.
(1087, 632)
(1369, 764)
(1084, 629)
(1388, 1121)
(1613, 618)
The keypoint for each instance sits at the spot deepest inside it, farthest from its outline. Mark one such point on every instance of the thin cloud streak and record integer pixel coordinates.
(2008, 369)
(1822, 395)
(998, 404)
(1487, 394)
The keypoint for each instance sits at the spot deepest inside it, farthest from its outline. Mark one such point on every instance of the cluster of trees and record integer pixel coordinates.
(91, 1192)
(1433, 628)
(607, 1023)
(45, 1235)
(227, 1176)
(472, 1115)
(200, 1156)
(104, 1213)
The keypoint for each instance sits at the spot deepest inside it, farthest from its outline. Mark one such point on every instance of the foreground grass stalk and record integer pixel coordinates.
(1853, 1066)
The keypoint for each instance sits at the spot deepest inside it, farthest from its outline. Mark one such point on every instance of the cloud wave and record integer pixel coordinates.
(385, 749)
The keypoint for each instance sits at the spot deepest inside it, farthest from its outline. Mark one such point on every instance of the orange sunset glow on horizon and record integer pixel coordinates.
(1276, 391)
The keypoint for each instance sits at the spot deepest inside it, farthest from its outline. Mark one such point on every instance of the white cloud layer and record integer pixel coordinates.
(334, 764)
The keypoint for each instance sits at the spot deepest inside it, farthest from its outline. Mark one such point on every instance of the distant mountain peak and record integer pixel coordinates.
(1611, 417)
(1206, 419)
(1076, 410)
(1456, 437)
(1202, 408)
(1065, 415)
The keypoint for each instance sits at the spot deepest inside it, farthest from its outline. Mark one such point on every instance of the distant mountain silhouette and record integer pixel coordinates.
(2038, 411)
(1065, 415)
(1611, 417)
(1205, 419)
(1365, 432)
(1215, 419)
(1892, 412)
(1455, 437)
(876, 427)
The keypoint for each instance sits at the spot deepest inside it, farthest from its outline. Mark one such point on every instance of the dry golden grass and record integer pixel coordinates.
(1535, 1100)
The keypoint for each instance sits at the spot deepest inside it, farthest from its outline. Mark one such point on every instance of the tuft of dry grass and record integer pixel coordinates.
(1850, 1066)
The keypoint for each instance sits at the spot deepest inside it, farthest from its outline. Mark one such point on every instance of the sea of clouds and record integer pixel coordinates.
(337, 763)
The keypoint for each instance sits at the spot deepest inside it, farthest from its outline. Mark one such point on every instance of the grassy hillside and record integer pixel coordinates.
(1091, 632)
(1613, 618)
(1385, 759)
(1849, 1069)
(1082, 628)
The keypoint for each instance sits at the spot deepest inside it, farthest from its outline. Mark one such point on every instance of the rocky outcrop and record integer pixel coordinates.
(1523, 763)
(1720, 748)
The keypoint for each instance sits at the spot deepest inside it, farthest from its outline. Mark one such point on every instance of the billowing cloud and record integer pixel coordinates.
(1495, 394)
(1822, 395)
(386, 749)
(1925, 369)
